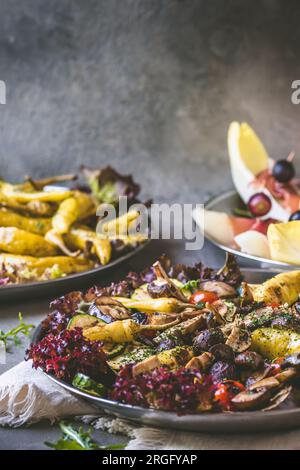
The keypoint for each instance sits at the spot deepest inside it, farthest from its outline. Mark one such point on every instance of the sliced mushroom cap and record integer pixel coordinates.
(224, 310)
(165, 284)
(239, 339)
(279, 398)
(267, 383)
(201, 363)
(251, 399)
(108, 309)
(218, 287)
(286, 375)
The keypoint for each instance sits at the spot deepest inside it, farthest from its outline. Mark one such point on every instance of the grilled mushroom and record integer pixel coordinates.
(206, 339)
(251, 399)
(239, 339)
(163, 286)
(202, 362)
(108, 309)
(258, 393)
(219, 287)
(224, 310)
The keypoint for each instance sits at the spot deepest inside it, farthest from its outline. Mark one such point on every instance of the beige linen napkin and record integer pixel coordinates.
(28, 396)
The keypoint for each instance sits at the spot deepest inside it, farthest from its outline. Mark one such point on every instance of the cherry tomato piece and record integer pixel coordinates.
(225, 392)
(203, 296)
(274, 369)
(273, 304)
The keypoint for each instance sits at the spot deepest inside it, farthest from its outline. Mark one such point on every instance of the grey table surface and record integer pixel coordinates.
(34, 310)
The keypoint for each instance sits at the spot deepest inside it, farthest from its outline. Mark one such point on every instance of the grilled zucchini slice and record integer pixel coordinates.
(83, 320)
(88, 385)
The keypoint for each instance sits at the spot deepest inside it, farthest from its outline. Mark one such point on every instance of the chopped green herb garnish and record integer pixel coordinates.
(78, 439)
(14, 333)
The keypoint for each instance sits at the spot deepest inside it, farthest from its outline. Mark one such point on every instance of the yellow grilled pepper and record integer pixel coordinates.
(78, 206)
(280, 289)
(272, 343)
(9, 218)
(120, 331)
(79, 237)
(33, 207)
(129, 239)
(65, 264)
(41, 196)
(56, 239)
(20, 242)
(120, 225)
(160, 305)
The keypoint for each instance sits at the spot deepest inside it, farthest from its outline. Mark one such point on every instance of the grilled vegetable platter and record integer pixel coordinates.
(189, 341)
(49, 228)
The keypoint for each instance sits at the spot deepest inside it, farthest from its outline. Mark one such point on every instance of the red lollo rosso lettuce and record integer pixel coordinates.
(67, 353)
(181, 390)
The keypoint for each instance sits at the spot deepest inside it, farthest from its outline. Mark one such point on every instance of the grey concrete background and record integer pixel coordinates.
(147, 85)
(150, 87)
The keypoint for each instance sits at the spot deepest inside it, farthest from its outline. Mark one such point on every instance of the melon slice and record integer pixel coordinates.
(253, 243)
(221, 226)
(248, 157)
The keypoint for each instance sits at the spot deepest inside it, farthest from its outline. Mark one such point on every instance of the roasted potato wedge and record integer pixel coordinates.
(281, 289)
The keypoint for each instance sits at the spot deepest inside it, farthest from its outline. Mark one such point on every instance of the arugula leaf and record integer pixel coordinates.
(13, 334)
(78, 439)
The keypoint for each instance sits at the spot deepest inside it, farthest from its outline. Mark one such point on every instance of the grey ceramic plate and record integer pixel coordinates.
(227, 202)
(18, 291)
(205, 422)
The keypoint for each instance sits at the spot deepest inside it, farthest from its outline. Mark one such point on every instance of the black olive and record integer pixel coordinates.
(206, 339)
(220, 371)
(222, 352)
(294, 216)
(249, 360)
(283, 171)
